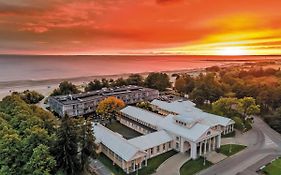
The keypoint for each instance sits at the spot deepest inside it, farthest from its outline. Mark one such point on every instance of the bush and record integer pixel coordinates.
(30, 97)
(239, 124)
(248, 125)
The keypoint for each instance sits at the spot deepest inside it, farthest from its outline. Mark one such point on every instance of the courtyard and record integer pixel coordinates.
(125, 131)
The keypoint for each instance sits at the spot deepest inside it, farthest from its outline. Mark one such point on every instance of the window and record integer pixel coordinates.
(170, 144)
(164, 146)
(209, 132)
(178, 138)
(158, 148)
(151, 151)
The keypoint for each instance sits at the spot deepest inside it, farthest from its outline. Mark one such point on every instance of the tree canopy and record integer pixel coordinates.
(109, 107)
(159, 81)
(65, 88)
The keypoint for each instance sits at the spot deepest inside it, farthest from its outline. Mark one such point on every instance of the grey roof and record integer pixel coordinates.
(166, 123)
(99, 94)
(178, 107)
(142, 115)
(115, 142)
(188, 112)
(151, 140)
(193, 133)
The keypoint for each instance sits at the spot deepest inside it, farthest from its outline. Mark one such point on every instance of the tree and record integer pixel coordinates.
(65, 88)
(93, 85)
(248, 106)
(105, 83)
(109, 107)
(184, 84)
(30, 97)
(41, 162)
(120, 82)
(135, 79)
(226, 107)
(207, 88)
(66, 146)
(144, 105)
(87, 142)
(159, 81)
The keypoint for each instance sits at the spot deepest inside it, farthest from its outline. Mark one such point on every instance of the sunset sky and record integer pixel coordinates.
(196, 27)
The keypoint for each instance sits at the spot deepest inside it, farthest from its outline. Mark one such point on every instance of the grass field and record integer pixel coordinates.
(231, 149)
(194, 166)
(152, 164)
(126, 132)
(274, 168)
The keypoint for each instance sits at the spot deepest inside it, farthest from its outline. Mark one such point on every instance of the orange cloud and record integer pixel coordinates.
(126, 26)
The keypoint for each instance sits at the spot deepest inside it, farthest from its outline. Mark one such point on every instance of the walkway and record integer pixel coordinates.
(97, 167)
(172, 165)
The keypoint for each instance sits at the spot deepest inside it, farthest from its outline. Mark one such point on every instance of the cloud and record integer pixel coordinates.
(168, 1)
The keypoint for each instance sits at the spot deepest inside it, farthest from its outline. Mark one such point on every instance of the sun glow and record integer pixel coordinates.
(232, 51)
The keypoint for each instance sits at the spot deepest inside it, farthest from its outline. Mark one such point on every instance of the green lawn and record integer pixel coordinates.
(194, 166)
(152, 164)
(231, 149)
(274, 168)
(155, 162)
(126, 132)
(108, 163)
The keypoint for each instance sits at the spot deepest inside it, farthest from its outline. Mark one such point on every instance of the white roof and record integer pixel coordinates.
(142, 115)
(178, 107)
(193, 133)
(151, 140)
(188, 112)
(115, 142)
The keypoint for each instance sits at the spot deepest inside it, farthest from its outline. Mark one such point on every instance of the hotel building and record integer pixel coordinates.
(85, 103)
(179, 126)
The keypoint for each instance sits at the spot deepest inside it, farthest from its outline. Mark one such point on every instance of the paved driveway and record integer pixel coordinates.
(263, 141)
(172, 165)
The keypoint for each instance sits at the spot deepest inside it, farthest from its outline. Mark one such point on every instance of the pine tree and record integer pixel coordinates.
(67, 146)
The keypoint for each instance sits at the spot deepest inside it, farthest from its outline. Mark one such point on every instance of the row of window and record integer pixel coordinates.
(158, 148)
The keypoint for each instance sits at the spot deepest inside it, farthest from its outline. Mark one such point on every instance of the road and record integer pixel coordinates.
(267, 145)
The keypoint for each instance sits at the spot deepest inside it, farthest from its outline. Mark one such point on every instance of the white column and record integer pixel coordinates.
(205, 146)
(200, 150)
(193, 150)
(134, 165)
(209, 144)
(214, 143)
(219, 141)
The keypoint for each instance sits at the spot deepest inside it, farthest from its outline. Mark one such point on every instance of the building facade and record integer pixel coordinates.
(85, 103)
(181, 127)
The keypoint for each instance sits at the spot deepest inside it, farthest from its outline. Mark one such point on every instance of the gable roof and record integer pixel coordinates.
(187, 111)
(142, 115)
(151, 140)
(115, 142)
(192, 134)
